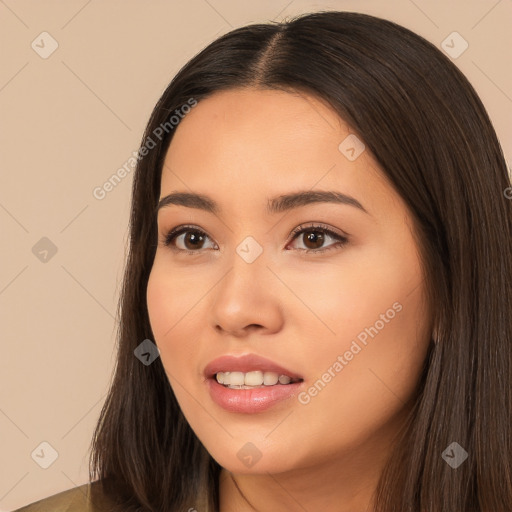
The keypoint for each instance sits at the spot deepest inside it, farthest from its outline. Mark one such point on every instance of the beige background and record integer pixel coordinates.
(68, 122)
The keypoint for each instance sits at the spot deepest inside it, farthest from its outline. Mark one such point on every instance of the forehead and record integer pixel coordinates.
(243, 120)
(247, 144)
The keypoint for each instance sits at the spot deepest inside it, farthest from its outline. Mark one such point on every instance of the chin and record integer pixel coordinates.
(249, 458)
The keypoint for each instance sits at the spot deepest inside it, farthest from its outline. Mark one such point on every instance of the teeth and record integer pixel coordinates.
(270, 378)
(252, 379)
(240, 380)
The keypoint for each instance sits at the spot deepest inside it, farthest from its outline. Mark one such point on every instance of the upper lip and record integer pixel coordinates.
(246, 363)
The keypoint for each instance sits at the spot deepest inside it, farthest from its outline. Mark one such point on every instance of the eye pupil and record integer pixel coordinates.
(314, 237)
(193, 238)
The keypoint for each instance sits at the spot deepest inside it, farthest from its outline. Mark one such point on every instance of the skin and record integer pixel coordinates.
(241, 147)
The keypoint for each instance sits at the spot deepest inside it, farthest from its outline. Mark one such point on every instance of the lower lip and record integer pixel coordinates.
(251, 401)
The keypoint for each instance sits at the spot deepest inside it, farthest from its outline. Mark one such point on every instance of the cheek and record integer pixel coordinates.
(378, 313)
(166, 306)
(171, 326)
(370, 292)
(389, 305)
(174, 307)
(172, 298)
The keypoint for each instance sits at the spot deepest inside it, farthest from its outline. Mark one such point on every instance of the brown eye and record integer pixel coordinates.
(313, 238)
(192, 239)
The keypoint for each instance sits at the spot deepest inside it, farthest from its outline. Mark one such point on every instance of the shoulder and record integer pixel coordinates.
(78, 499)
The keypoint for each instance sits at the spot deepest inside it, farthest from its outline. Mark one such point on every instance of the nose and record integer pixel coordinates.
(247, 299)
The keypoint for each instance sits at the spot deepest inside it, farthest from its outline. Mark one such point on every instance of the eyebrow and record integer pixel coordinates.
(275, 205)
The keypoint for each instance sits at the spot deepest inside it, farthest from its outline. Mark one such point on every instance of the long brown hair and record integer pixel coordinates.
(428, 130)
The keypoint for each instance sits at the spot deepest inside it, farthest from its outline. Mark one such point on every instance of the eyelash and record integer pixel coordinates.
(342, 240)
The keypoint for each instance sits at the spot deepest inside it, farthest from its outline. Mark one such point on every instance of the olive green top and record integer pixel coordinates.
(77, 499)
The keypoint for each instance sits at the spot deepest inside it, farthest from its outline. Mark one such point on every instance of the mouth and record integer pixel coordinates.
(250, 383)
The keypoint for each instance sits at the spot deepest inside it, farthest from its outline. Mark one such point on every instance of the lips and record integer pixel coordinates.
(248, 399)
(246, 363)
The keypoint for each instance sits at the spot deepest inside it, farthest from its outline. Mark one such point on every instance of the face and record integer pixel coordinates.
(329, 292)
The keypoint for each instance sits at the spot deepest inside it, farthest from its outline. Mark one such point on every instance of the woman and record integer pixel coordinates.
(316, 305)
